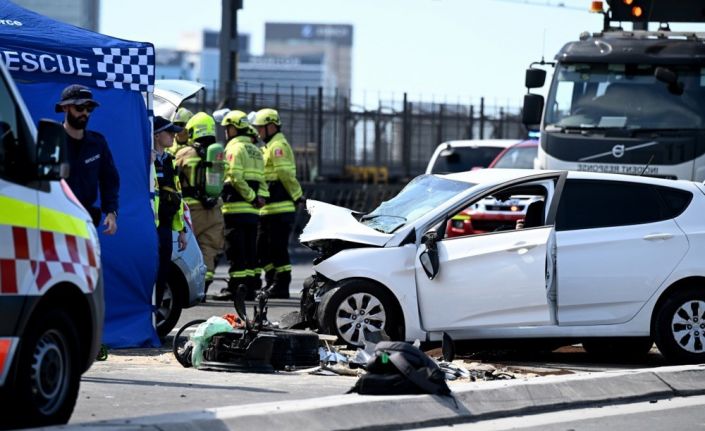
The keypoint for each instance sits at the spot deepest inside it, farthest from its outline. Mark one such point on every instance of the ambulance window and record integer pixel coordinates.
(15, 142)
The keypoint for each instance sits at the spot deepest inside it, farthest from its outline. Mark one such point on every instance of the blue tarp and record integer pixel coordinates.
(44, 56)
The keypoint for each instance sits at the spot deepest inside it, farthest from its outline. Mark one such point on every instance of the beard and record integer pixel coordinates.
(78, 122)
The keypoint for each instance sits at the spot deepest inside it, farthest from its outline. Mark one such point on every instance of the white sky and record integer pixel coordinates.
(436, 50)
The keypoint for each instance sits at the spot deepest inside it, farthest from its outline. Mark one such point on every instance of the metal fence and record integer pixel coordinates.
(335, 140)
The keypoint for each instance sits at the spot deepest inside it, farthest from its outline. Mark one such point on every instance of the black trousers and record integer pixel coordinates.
(240, 248)
(166, 245)
(273, 240)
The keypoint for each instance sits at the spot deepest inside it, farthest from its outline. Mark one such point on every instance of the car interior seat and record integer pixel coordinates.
(534, 214)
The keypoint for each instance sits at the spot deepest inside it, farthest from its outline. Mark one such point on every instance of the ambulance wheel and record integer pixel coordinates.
(357, 307)
(48, 370)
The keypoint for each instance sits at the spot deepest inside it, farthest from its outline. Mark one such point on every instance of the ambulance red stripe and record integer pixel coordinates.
(19, 237)
(8, 276)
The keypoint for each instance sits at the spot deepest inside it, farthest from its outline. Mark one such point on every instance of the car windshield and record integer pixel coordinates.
(421, 195)
(518, 158)
(624, 96)
(460, 159)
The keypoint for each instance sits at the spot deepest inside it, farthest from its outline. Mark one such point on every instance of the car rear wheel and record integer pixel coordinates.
(169, 310)
(48, 371)
(356, 308)
(679, 327)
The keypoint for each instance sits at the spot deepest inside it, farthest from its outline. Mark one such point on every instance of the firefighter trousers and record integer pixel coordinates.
(241, 249)
(208, 226)
(273, 249)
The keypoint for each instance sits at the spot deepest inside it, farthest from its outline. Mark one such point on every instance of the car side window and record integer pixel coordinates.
(506, 210)
(15, 157)
(588, 204)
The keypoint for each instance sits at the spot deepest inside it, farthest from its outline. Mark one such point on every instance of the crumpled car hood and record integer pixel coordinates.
(334, 222)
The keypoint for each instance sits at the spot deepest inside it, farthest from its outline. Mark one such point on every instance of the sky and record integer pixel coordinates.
(435, 50)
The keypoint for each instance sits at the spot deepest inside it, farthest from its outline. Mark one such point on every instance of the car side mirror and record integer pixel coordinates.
(532, 110)
(51, 151)
(429, 257)
(534, 78)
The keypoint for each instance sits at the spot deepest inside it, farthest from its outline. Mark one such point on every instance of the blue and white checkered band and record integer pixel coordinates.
(125, 68)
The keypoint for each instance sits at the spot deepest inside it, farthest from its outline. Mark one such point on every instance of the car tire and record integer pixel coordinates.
(169, 310)
(48, 371)
(679, 327)
(341, 307)
(618, 349)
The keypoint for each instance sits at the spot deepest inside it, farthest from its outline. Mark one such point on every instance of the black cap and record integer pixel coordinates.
(161, 124)
(76, 95)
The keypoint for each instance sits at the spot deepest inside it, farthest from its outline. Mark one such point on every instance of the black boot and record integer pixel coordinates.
(205, 290)
(228, 293)
(269, 278)
(280, 288)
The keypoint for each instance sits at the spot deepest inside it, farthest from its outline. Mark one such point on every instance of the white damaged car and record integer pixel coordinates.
(615, 262)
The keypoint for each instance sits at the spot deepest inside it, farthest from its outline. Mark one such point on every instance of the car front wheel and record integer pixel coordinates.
(357, 308)
(679, 327)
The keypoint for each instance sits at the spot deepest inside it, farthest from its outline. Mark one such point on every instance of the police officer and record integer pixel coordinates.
(91, 163)
(181, 117)
(205, 204)
(244, 193)
(277, 215)
(168, 205)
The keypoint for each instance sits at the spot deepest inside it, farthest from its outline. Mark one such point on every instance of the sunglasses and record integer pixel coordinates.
(81, 108)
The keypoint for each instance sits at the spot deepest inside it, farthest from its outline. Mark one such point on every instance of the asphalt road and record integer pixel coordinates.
(141, 382)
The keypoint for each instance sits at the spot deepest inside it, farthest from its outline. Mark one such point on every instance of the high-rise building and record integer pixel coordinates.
(81, 13)
(331, 42)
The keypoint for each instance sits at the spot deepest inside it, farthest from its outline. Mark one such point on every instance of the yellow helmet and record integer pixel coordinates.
(266, 116)
(235, 118)
(182, 116)
(200, 125)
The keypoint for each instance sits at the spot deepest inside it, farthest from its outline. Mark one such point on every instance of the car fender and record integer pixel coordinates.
(392, 267)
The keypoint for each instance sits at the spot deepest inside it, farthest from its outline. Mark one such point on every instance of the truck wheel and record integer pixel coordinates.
(48, 371)
(169, 310)
(679, 327)
(358, 306)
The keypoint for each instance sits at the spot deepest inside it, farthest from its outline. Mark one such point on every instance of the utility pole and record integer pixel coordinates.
(229, 55)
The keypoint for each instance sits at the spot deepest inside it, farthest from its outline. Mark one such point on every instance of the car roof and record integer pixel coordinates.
(497, 176)
(503, 143)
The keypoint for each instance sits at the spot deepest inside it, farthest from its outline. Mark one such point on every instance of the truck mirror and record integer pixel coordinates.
(51, 150)
(533, 107)
(535, 78)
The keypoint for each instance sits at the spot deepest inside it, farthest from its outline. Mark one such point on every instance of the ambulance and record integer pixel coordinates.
(51, 292)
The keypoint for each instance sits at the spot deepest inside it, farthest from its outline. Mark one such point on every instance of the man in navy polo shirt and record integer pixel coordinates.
(90, 161)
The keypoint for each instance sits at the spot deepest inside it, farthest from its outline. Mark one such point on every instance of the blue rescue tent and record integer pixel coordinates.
(44, 56)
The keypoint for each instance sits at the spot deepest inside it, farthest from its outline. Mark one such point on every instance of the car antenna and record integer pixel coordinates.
(647, 165)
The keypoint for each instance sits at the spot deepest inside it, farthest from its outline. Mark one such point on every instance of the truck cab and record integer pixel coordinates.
(51, 288)
(629, 102)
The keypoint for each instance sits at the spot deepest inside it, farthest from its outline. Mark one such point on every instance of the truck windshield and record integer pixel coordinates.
(624, 96)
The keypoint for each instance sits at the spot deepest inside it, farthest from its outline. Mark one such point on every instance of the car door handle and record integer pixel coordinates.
(658, 236)
(521, 246)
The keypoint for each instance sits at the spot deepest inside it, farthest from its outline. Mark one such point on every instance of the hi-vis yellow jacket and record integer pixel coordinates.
(244, 177)
(280, 174)
(177, 223)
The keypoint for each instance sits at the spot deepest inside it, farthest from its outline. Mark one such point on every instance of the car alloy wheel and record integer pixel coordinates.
(357, 314)
(688, 326)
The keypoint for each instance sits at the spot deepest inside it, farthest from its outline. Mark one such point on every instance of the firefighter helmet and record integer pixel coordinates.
(266, 116)
(182, 116)
(235, 118)
(200, 125)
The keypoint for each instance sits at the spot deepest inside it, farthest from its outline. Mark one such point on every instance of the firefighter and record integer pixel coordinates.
(169, 208)
(181, 117)
(201, 174)
(244, 194)
(277, 215)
